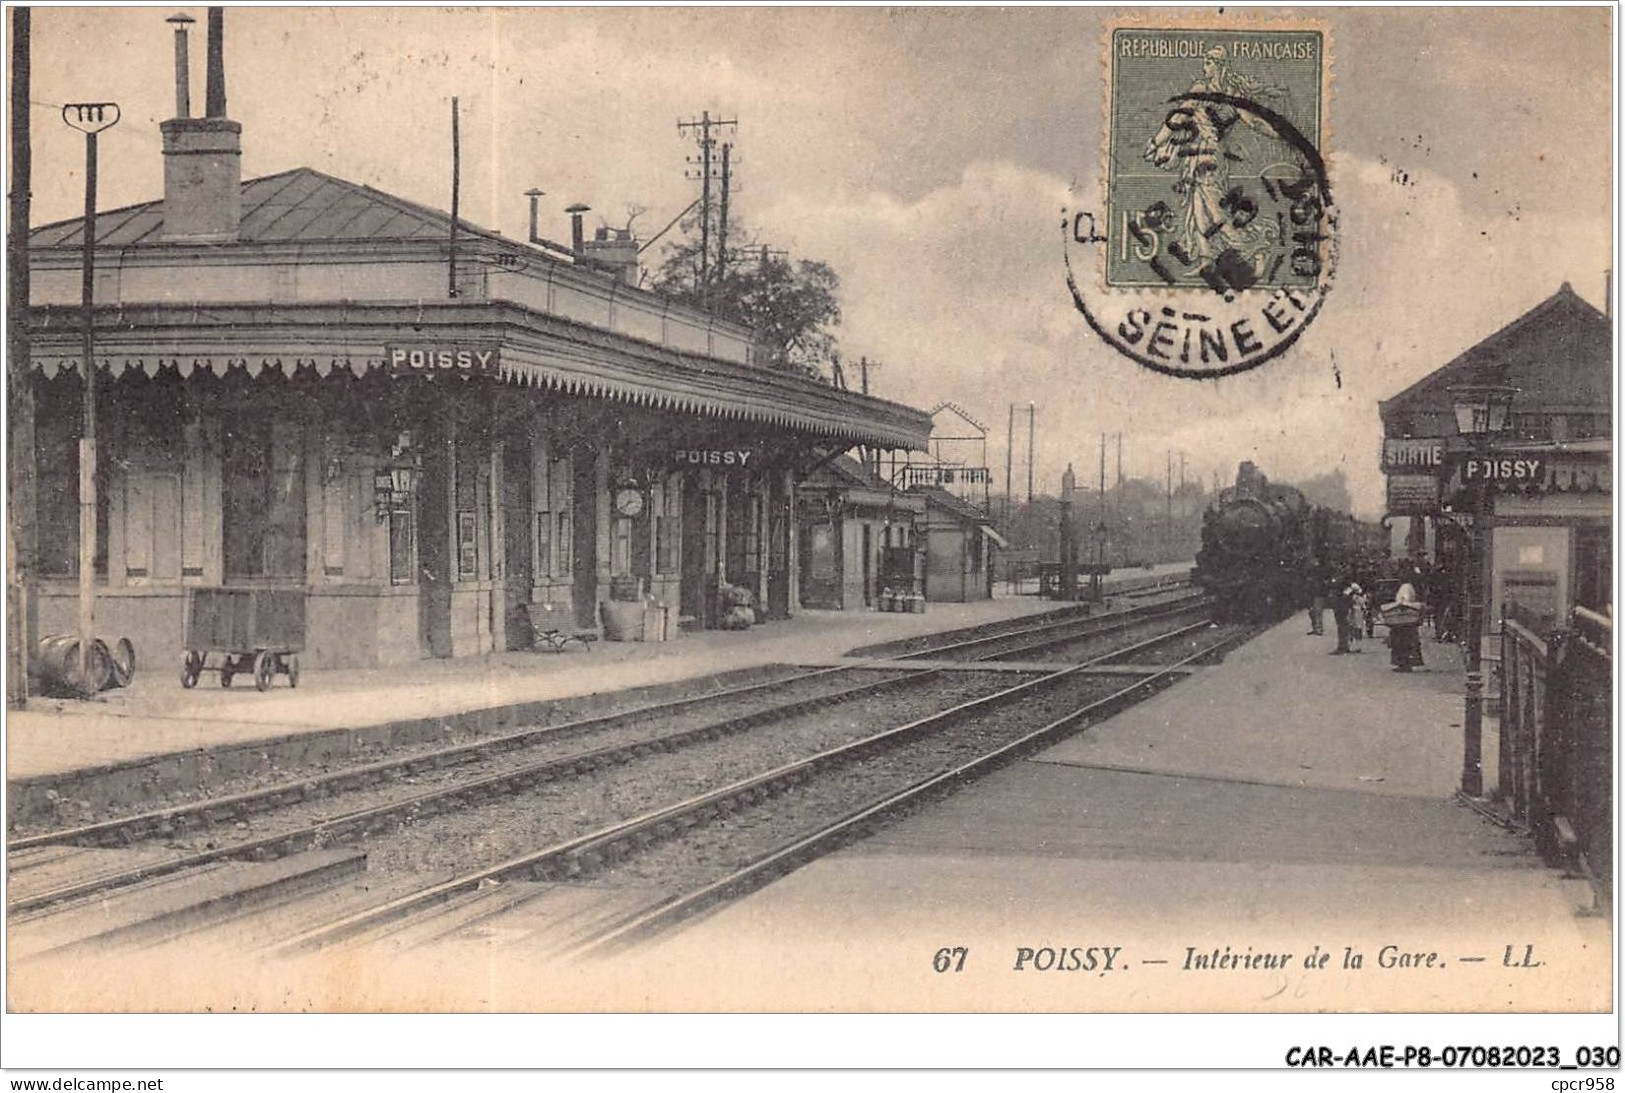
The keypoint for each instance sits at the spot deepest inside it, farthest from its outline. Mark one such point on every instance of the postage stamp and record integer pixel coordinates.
(1216, 237)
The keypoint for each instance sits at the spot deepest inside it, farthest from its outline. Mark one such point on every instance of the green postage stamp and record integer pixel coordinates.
(1216, 230)
(1215, 172)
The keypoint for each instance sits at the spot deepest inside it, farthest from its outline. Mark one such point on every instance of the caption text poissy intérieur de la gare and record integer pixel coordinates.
(1105, 959)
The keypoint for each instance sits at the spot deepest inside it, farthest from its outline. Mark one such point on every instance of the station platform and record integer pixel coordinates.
(1283, 802)
(156, 718)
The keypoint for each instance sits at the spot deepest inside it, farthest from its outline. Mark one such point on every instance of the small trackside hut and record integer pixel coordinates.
(959, 548)
(292, 396)
(860, 538)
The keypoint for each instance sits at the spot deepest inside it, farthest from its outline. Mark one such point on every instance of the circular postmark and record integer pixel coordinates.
(1217, 241)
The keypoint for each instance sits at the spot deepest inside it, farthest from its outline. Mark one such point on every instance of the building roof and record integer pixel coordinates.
(305, 206)
(957, 507)
(848, 471)
(297, 206)
(1558, 355)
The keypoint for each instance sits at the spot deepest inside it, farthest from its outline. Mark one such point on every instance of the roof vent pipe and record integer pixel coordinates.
(183, 73)
(578, 242)
(215, 102)
(535, 226)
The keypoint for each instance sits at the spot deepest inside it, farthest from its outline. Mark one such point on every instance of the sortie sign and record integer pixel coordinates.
(1418, 455)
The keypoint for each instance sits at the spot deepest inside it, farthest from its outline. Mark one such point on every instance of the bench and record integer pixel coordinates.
(548, 634)
(559, 640)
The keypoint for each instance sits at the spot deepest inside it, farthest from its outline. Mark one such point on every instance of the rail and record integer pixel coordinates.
(1556, 736)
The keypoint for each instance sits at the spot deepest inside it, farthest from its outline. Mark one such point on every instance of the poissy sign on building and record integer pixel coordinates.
(435, 358)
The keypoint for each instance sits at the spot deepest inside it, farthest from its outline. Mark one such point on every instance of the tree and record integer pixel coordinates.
(793, 308)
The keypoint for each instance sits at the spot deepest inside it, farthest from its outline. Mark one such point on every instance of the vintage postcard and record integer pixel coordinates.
(1087, 511)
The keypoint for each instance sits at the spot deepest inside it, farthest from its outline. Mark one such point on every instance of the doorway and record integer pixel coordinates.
(434, 549)
(868, 567)
(518, 552)
(699, 550)
(584, 537)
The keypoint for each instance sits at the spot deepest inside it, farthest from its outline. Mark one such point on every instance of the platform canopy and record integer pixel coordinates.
(530, 350)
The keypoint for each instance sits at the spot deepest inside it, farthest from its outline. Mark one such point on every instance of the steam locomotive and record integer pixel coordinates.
(1262, 544)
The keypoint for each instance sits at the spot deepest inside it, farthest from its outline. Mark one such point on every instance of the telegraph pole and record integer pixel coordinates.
(20, 515)
(1009, 453)
(456, 190)
(90, 119)
(1100, 547)
(722, 213)
(1168, 518)
(707, 142)
(1032, 412)
(1122, 528)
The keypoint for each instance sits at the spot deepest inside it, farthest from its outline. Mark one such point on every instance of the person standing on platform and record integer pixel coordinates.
(1342, 612)
(1317, 599)
(1404, 638)
(1359, 611)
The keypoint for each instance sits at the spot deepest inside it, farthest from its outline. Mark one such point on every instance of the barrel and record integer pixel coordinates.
(123, 662)
(56, 664)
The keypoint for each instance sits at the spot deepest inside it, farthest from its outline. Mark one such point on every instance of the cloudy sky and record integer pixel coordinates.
(925, 154)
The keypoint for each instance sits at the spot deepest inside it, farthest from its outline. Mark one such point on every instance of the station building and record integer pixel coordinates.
(306, 383)
(1548, 520)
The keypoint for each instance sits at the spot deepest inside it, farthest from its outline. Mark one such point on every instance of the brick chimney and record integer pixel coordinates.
(203, 159)
(614, 251)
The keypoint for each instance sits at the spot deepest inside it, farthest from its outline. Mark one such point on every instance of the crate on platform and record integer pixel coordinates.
(626, 589)
(241, 619)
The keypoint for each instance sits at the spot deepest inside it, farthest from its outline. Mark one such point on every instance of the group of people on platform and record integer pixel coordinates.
(1419, 593)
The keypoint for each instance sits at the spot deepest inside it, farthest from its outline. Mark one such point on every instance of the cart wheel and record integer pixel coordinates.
(101, 667)
(293, 669)
(191, 668)
(264, 668)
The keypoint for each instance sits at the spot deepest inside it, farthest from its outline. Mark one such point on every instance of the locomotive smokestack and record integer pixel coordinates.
(215, 102)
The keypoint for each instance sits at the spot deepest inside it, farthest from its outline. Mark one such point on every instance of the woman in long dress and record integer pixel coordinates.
(1405, 640)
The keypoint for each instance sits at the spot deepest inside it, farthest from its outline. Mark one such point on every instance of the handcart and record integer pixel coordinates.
(257, 632)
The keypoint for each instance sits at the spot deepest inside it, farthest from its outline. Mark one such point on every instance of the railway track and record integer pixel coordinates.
(822, 717)
(798, 848)
(1065, 633)
(482, 768)
(861, 784)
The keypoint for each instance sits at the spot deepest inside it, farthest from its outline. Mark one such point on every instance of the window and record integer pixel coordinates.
(753, 534)
(668, 522)
(544, 543)
(401, 558)
(1532, 426)
(822, 552)
(58, 423)
(620, 547)
(561, 546)
(263, 498)
(1593, 569)
(468, 547)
